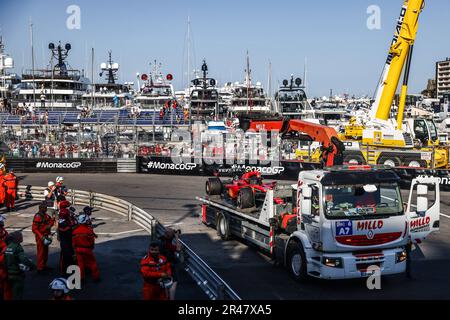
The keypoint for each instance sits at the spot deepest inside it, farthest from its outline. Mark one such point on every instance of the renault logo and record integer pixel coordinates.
(370, 235)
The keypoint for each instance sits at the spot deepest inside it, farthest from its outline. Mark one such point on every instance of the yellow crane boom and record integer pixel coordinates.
(401, 48)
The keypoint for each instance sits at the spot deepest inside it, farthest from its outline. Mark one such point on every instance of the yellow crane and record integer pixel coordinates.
(400, 54)
(389, 142)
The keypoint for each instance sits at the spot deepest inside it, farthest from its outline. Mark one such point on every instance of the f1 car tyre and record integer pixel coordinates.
(245, 198)
(213, 187)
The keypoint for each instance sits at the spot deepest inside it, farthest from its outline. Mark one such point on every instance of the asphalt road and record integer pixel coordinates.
(171, 199)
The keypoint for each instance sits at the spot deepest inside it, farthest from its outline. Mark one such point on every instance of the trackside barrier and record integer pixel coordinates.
(208, 280)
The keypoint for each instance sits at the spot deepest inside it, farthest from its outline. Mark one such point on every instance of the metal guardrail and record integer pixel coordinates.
(208, 280)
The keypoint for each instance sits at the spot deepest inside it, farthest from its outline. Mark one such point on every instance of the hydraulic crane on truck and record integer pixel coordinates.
(400, 142)
(331, 147)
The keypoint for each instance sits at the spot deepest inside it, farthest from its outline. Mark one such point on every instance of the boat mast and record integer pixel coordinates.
(305, 71)
(248, 80)
(1, 68)
(269, 82)
(189, 66)
(92, 78)
(32, 62)
(110, 69)
(51, 88)
(189, 53)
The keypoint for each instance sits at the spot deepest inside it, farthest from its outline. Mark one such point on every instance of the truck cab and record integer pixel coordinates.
(352, 219)
(423, 131)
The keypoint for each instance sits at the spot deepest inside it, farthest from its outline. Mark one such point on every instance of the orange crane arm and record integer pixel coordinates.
(332, 147)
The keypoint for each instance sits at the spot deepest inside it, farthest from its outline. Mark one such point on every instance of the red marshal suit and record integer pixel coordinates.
(83, 241)
(10, 184)
(42, 225)
(152, 270)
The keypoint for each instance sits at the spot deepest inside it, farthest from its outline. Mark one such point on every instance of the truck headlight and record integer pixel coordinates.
(400, 256)
(332, 262)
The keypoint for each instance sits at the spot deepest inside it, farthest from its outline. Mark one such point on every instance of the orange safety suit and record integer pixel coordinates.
(10, 183)
(2, 190)
(83, 241)
(41, 227)
(152, 270)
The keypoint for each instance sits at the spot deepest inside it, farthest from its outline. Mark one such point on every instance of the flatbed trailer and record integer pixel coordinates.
(252, 224)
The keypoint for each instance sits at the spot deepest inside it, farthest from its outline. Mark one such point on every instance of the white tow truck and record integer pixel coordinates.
(334, 223)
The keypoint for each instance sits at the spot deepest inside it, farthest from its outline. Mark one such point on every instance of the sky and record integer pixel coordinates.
(341, 52)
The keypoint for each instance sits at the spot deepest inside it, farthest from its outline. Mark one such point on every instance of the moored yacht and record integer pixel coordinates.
(110, 94)
(203, 102)
(9, 82)
(248, 99)
(58, 86)
(156, 91)
(291, 100)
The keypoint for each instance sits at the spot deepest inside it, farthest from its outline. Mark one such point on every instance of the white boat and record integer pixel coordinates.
(156, 91)
(110, 95)
(57, 86)
(291, 101)
(203, 98)
(9, 82)
(331, 113)
(247, 98)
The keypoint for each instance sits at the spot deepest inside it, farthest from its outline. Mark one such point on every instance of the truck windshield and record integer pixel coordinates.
(356, 201)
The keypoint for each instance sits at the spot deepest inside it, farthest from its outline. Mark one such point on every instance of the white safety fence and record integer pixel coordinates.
(208, 280)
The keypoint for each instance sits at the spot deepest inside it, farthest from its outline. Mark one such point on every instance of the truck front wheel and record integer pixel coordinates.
(296, 261)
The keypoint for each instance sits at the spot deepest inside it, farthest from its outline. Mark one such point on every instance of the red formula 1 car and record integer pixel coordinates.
(243, 190)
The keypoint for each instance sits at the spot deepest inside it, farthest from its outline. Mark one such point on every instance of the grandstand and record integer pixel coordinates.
(117, 117)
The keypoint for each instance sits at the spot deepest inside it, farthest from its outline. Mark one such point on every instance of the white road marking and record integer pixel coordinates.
(118, 233)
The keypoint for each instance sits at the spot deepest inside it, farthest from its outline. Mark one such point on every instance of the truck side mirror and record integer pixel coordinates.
(422, 205)
(306, 207)
(422, 190)
(306, 192)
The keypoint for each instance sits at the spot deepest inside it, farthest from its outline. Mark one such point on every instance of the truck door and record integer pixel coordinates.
(309, 210)
(423, 209)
